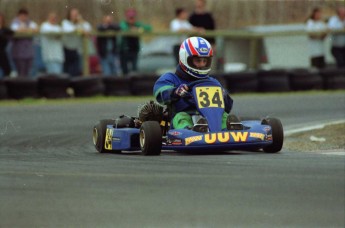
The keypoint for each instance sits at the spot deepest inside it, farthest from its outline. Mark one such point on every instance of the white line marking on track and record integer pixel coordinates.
(312, 127)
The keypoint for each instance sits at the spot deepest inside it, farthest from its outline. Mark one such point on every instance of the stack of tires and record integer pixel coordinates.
(19, 88)
(241, 82)
(87, 86)
(142, 85)
(53, 86)
(333, 78)
(275, 80)
(305, 79)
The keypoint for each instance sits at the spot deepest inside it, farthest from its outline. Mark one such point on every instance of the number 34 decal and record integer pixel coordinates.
(210, 97)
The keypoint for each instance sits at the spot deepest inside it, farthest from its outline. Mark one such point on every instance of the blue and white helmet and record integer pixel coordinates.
(195, 47)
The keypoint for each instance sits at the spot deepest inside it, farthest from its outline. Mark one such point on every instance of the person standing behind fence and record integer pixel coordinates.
(316, 41)
(180, 24)
(337, 22)
(5, 35)
(52, 50)
(75, 26)
(200, 18)
(22, 48)
(107, 46)
(130, 45)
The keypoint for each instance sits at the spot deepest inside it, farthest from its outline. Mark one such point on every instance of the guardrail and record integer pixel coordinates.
(253, 37)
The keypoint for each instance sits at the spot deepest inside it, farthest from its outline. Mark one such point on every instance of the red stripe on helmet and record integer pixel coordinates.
(211, 52)
(192, 49)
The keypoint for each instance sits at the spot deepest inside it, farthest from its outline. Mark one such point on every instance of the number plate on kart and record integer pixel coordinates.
(209, 97)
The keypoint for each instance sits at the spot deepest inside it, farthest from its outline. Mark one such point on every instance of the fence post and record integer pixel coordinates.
(85, 55)
(253, 52)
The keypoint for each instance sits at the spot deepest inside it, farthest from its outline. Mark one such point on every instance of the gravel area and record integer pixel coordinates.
(331, 137)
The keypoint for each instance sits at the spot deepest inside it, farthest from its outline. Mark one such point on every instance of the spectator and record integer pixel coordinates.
(22, 48)
(5, 34)
(337, 22)
(316, 44)
(202, 19)
(107, 46)
(75, 26)
(52, 50)
(130, 45)
(180, 24)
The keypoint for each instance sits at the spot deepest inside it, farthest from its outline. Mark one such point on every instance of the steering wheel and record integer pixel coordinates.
(189, 98)
(194, 83)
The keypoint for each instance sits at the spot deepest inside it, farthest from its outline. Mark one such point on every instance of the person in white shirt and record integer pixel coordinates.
(52, 49)
(337, 22)
(75, 27)
(180, 24)
(316, 41)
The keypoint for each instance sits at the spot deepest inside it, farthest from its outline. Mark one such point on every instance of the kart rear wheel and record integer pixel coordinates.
(150, 138)
(99, 133)
(277, 135)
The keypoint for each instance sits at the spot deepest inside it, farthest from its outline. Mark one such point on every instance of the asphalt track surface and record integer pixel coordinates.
(52, 176)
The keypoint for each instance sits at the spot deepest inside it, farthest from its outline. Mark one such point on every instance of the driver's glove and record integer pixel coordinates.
(182, 90)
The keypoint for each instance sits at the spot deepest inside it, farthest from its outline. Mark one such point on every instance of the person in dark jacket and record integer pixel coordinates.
(201, 18)
(107, 46)
(5, 35)
(130, 45)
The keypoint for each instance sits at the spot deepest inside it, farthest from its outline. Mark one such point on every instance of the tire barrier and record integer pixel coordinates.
(115, 86)
(142, 85)
(87, 86)
(19, 88)
(3, 90)
(240, 82)
(333, 78)
(53, 86)
(273, 81)
(305, 80)
(60, 86)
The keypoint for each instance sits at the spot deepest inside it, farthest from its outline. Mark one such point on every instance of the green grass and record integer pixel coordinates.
(105, 99)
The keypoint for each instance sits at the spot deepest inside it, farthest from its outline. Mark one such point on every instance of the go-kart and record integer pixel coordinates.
(152, 134)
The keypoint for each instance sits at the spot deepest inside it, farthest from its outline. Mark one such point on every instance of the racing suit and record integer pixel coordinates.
(181, 111)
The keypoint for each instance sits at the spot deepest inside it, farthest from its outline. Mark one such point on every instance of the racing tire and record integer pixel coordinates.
(99, 134)
(150, 138)
(277, 135)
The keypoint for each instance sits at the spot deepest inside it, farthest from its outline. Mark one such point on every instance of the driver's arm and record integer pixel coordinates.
(228, 102)
(164, 90)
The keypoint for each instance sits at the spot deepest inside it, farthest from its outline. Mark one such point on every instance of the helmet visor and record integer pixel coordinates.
(200, 63)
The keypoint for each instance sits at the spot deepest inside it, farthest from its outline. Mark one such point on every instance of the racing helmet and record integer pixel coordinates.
(195, 47)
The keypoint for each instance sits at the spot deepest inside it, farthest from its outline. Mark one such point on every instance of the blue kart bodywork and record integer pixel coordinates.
(254, 136)
(207, 97)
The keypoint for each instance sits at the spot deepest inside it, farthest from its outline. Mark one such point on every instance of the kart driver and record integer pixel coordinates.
(195, 59)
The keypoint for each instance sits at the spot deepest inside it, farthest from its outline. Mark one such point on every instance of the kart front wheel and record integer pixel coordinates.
(277, 135)
(150, 138)
(99, 134)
